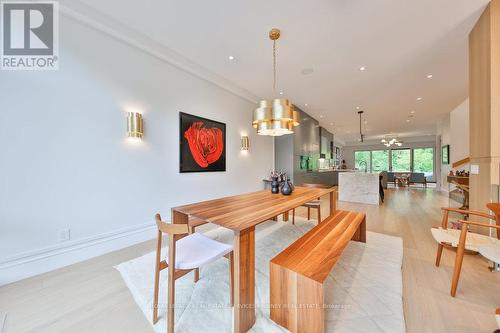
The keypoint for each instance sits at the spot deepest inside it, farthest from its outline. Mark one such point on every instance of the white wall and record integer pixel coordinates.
(454, 131)
(65, 162)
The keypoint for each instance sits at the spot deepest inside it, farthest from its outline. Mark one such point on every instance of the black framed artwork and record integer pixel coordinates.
(445, 154)
(202, 144)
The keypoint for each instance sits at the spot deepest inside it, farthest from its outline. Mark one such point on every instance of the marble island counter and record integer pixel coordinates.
(359, 187)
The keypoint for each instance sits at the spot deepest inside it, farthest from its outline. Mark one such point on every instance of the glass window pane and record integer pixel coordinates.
(362, 160)
(401, 160)
(380, 160)
(423, 161)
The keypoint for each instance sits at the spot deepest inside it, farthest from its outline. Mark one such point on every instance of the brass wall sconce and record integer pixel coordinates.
(245, 145)
(135, 126)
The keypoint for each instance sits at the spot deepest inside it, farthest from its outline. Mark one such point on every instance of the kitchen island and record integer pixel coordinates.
(359, 187)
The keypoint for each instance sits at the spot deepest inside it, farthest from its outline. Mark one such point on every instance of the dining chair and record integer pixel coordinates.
(464, 241)
(186, 252)
(490, 250)
(193, 223)
(315, 204)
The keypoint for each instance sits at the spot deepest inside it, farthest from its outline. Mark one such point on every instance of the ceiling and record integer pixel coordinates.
(399, 42)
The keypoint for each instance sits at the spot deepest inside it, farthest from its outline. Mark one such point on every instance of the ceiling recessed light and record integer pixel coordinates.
(231, 58)
(281, 93)
(358, 107)
(362, 68)
(331, 124)
(429, 76)
(307, 71)
(407, 120)
(419, 98)
(305, 104)
(412, 112)
(321, 116)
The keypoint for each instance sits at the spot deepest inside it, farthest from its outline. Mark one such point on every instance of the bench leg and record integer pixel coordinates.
(360, 235)
(297, 302)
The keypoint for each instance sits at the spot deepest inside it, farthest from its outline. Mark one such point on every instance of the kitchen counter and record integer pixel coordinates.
(359, 187)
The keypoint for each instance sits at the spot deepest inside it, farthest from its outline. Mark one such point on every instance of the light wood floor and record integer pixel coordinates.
(91, 296)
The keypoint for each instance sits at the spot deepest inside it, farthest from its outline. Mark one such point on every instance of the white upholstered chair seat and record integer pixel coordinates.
(314, 203)
(491, 251)
(473, 241)
(196, 250)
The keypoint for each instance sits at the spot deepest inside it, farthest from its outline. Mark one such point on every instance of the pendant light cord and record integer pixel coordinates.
(274, 67)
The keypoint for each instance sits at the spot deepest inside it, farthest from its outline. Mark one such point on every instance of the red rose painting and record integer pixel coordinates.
(205, 144)
(202, 144)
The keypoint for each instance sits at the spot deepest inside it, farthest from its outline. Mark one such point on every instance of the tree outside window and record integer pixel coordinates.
(380, 160)
(401, 161)
(362, 160)
(423, 161)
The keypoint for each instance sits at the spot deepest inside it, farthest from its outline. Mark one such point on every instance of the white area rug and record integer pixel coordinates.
(3, 318)
(364, 288)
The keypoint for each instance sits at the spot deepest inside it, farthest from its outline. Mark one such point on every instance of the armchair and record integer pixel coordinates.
(490, 250)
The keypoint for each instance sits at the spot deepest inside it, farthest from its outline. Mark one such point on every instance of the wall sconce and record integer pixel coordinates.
(135, 126)
(244, 143)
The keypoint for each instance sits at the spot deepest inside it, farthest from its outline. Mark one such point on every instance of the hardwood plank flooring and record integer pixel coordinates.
(91, 297)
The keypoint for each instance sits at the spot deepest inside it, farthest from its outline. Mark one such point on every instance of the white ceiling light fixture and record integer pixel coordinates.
(362, 68)
(419, 98)
(429, 76)
(231, 57)
(389, 141)
(306, 105)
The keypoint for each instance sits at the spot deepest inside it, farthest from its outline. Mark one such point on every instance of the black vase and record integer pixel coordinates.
(275, 186)
(286, 189)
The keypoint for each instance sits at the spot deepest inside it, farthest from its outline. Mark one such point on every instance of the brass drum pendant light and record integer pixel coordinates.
(277, 117)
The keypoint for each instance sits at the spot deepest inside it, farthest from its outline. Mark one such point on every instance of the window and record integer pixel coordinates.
(401, 161)
(423, 161)
(380, 160)
(362, 160)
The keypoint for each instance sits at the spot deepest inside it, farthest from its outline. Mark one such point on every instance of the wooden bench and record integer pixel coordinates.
(298, 272)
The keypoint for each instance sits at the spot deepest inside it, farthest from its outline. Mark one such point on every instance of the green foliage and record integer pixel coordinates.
(401, 160)
(378, 160)
(361, 158)
(423, 160)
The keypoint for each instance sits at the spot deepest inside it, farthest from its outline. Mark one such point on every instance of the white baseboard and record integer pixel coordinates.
(46, 259)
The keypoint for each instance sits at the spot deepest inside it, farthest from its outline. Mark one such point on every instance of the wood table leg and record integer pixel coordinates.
(244, 280)
(286, 216)
(333, 202)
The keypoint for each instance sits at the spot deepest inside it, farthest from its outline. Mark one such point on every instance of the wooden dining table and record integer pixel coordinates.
(241, 213)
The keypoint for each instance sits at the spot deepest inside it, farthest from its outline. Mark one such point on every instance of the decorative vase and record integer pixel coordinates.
(275, 185)
(286, 189)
